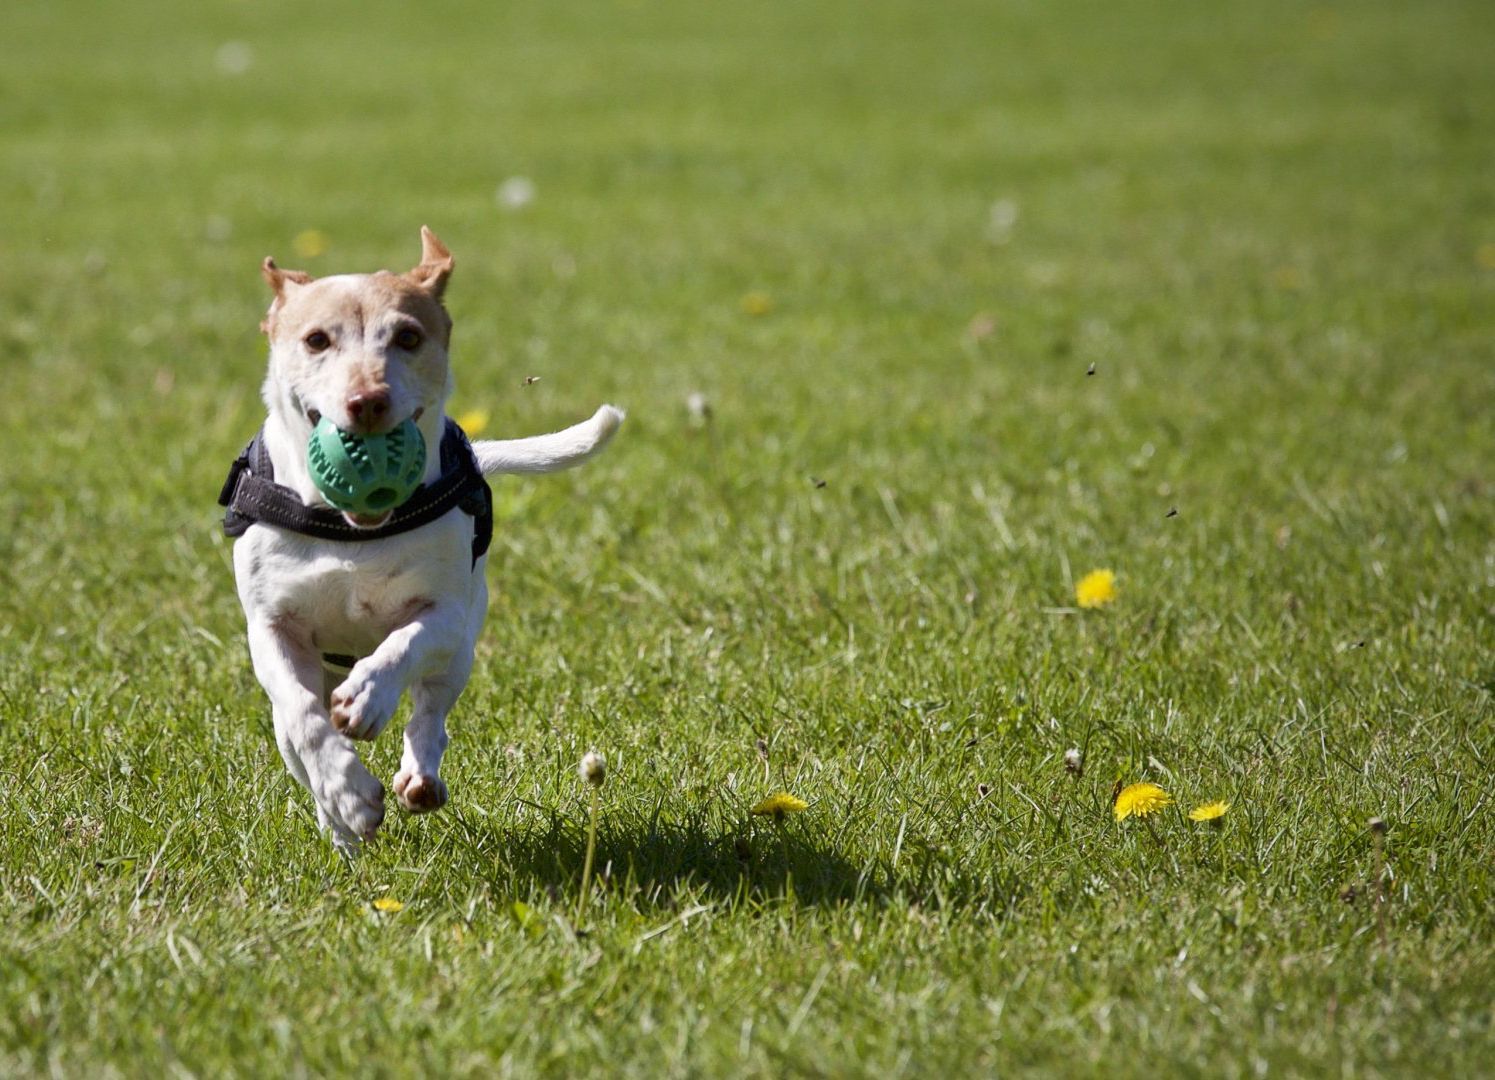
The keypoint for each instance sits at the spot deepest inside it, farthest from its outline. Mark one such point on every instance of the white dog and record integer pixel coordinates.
(345, 612)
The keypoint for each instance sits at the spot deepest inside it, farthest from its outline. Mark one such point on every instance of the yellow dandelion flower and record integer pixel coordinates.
(310, 243)
(389, 904)
(757, 303)
(1096, 589)
(1139, 800)
(473, 421)
(780, 804)
(1210, 811)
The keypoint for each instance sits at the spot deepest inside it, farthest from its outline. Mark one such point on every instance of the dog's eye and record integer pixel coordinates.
(317, 341)
(408, 338)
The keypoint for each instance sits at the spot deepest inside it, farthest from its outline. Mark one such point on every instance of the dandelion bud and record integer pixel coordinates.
(1074, 761)
(593, 768)
(1378, 826)
(698, 407)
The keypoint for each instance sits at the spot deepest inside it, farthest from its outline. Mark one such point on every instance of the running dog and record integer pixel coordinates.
(346, 612)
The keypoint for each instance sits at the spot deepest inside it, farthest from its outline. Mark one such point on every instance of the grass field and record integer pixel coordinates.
(886, 242)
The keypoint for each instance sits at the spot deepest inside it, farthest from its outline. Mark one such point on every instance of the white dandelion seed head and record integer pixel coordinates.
(515, 193)
(1074, 761)
(593, 768)
(234, 58)
(1002, 218)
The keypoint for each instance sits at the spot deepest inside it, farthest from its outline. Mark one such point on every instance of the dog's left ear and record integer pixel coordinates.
(435, 264)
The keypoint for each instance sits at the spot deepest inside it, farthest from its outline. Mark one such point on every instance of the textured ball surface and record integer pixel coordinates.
(366, 474)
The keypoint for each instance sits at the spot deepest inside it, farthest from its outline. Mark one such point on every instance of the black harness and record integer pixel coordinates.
(250, 494)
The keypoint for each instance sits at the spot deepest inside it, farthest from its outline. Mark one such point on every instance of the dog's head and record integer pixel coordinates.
(367, 351)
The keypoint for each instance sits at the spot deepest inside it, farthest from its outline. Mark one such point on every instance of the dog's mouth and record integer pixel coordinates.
(315, 415)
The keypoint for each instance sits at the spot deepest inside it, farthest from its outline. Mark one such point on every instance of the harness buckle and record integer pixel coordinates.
(231, 484)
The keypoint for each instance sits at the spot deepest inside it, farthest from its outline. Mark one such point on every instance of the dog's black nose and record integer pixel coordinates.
(368, 408)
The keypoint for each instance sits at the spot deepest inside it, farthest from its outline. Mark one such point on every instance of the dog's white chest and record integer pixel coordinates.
(344, 597)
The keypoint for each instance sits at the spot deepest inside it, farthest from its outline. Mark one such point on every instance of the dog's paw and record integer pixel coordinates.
(344, 841)
(364, 703)
(418, 793)
(350, 801)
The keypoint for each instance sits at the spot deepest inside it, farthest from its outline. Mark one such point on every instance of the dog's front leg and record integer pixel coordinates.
(424, 646)
(350, 802)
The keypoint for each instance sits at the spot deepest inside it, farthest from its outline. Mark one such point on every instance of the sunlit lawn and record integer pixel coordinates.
(973, 299)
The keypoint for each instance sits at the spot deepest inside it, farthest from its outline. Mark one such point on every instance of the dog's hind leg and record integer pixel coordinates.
(418, 784)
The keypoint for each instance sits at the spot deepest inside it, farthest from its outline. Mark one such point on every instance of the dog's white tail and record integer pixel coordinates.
(549, 453)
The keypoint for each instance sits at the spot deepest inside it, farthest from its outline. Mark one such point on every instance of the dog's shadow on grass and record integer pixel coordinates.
(653, 863)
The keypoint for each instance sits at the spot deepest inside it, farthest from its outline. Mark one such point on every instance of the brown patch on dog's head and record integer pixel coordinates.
(435, 265)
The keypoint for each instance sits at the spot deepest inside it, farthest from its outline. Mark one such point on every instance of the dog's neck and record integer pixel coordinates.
(288, 430)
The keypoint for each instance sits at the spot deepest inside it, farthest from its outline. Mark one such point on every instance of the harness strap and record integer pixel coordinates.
(250, 494)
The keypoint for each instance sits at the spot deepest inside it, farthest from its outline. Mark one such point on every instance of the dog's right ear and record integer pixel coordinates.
(281, 281)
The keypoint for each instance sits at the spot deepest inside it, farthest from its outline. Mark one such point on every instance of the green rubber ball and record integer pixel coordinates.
(366, 474)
